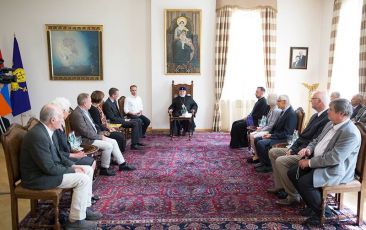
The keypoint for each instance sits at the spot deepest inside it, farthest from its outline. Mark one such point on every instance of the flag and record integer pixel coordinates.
(5, 107)
(19, 92)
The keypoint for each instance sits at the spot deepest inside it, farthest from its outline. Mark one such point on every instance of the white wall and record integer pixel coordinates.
(126, 45)
(302, 24)
(133, 49)
(203, 83)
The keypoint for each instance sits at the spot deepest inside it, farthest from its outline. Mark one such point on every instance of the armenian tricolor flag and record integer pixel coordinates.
(5, 107)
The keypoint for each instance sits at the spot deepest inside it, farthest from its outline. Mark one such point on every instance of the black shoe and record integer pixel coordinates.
(95, 197)
(93, 201)
(251, 161)
(126, 167)
(307, 212)
(259, 165)
(274, 190)
(313, 221)
(81, 224)
(143, 136)
(93, 215)
(107, 172)
(135, 147)
(140, 144)
(263, 169)
(184, 133)
(281, 194)
(328, 212)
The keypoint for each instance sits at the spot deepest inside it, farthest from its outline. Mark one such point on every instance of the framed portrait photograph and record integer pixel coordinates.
(182, 41)
(75, 52)
(299, 57)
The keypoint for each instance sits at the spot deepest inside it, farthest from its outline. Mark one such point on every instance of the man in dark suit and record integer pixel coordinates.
(283, 128)
(333, 157)
(284, 158)
(239, 128)
(110, 109)
(356, 103)
(44, 166)
(182, 104)
(83, 125)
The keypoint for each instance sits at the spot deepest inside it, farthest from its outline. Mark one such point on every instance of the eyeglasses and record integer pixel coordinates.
(280, 100)
(314, 98)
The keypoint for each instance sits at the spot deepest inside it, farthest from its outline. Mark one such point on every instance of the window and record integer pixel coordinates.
(347, 49)
(245, 61)
(244, 67)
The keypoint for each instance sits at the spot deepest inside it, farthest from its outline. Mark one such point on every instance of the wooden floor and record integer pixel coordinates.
(24, 206)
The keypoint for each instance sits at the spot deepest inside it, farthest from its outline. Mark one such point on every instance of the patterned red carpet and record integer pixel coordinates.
(198, 184)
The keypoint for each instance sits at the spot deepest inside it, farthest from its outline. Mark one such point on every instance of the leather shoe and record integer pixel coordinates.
(93, 201)
(184, 133)
(263, 169)
(143, 136)
(80, 224)
(135, 147)
(140, 144)
(258, 165)
(328, 212)
(286, 201)
(90, 215)
(107, 172)
(126, 167)
(251, 161)
(95, 197)
(273, 190)
(313, 221)
(307, 212)
(281, 194)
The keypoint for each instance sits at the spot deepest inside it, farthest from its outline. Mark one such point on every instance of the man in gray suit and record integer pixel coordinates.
(83, 125)
(333, 157)
(44, 166)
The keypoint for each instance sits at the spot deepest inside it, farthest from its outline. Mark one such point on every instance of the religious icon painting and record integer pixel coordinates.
(182, 41)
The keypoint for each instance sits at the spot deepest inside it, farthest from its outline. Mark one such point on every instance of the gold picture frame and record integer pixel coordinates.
(182, 36)
(75, 52)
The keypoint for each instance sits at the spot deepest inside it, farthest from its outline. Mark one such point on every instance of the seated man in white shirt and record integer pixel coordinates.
(133, 108)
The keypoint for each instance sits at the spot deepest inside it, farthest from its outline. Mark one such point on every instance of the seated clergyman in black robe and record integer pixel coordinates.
(182, 105)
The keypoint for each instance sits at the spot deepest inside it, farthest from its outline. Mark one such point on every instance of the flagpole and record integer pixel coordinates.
(21, 119)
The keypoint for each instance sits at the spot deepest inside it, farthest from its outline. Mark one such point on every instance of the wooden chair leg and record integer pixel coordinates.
(57, 221)
(171, 129)
(360, 204)
(248, 138)
(322, 210)
(33, 203)
(14, 212)
(340, 201)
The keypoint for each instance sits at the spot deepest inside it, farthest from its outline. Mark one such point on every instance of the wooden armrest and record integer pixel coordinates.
(279, 145)
(90, 149)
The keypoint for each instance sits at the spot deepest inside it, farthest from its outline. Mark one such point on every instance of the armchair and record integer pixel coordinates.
(357, 185)
(121, 104)
(299, 127)
(176, 117)
(11, 142)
